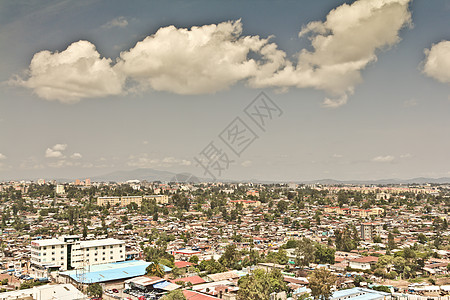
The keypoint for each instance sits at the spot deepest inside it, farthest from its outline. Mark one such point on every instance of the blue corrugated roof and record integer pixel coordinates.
(108, 272)
(161, 285)
(366, 294)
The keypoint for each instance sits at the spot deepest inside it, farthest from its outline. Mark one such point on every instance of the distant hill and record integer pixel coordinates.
(418, 180)
(166, 176)
(146, 174)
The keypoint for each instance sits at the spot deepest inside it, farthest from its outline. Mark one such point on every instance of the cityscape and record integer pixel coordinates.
(207, 149)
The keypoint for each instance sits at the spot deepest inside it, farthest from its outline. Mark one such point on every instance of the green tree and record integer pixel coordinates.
(304, 254)
(320, 282)
(95, 290)
(231, 257)
(193, 259)
(324, 254)
(260, 285)
(391, 242)
(282, 206)
(154, 269)
(174, 295)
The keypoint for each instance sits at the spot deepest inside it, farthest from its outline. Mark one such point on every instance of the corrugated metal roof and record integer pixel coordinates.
(109, 272)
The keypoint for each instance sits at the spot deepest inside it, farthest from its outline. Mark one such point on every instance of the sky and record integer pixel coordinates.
(271, 90)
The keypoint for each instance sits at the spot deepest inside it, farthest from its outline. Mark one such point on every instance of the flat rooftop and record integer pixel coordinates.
(47, 242)
(100, 243)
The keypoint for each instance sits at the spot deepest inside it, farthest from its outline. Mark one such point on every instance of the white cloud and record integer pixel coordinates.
(437, 62)
(210, 58)
(343, 45)
(31, 163)
(62, 163)
(117, 22)
(50, 153)
(55, 151)
(383, 159)
(2, 156)
(199, 60)
(76, 155)
(410, 103)
(60, 147)
(406, 155)
(75, 73)
(246, 163)
(334, 103)
(144, 161)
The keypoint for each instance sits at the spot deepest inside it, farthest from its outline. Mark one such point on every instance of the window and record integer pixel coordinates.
(111, 247)
(111, 257)
(104, 258)
(53, 247)
(95, 259)
(104, 247)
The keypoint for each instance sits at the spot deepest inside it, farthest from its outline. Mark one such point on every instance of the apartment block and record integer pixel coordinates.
(68, 252)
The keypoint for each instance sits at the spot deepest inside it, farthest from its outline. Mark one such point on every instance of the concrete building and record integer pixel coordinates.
(121, 201)
(161, 199)
(45, 292)
(370, 230)
(60, 189)
(68, 252)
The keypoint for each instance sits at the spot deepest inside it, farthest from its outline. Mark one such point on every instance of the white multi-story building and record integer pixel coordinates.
(60, 189)
(86, 253)
(49, 252)
(68, 252)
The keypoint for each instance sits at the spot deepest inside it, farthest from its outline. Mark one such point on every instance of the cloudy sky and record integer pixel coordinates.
(352, 89)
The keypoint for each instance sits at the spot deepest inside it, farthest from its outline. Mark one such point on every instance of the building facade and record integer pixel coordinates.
(370, 230)
(68, 252)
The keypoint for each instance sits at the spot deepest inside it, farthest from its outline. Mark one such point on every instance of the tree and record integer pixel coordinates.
(193, 259)
(85, 230)
(347, 239)
(304, 254)
(422, 238)
(391, 242)
(282, 206)
(211, 266)
(95, 290)
(320, 282)
(231, 257)
(382, 288)
(154, 269)
(260, 285)
(174, 295)
(324, 254)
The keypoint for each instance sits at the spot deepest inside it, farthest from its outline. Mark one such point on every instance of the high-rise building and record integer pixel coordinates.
(60, 189)
(370, 230)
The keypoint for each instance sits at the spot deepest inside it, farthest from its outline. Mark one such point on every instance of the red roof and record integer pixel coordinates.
(366, 259)
(191, 295)
(182, 264)
(192, 279)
